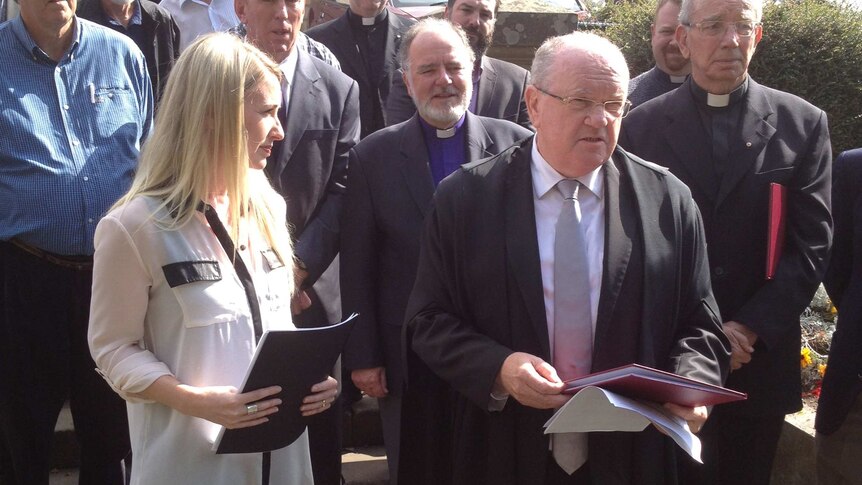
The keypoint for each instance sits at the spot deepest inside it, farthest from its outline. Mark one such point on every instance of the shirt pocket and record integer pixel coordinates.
(115, 107)
(204, 296)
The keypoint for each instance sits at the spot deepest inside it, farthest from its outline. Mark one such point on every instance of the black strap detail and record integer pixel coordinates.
(265, 468)
(238, 264)
(247, 283)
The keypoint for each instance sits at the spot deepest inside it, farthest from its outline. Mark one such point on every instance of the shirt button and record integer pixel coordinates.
(66, 107)
(90, 220)
(719, 271)
(86, 178)
(75, 142)
(110, 95)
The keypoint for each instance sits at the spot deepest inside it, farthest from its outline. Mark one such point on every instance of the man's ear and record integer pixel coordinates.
(758, 34)
(682, 40)
(405, 76)
(239, 8)
(651, 30)
(531, 98)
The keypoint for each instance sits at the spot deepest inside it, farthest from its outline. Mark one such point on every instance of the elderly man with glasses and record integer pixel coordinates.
(730, 139)
(564, 255)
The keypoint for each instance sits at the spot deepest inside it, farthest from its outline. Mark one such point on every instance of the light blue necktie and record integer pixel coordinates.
(573, 327)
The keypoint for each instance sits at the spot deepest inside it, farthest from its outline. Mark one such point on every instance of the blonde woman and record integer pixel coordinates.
(190, 266)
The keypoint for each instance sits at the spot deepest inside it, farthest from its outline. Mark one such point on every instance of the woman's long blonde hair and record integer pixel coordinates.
(200, 140)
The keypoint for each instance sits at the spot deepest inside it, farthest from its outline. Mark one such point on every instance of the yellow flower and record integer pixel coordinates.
(821, 369)
(805, 357)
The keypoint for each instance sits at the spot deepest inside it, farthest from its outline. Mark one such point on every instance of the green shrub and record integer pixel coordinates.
(811, 48)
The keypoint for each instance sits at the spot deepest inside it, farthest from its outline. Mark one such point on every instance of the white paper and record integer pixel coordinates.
(596, 409)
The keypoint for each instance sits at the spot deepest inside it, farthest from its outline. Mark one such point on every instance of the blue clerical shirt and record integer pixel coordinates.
(70, 133)
(447, 152)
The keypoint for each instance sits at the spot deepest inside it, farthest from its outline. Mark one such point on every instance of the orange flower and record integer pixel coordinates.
(805, 357)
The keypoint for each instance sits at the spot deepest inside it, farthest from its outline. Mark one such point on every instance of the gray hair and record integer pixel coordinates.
(431, 25)
(593, 44)
(688, 6)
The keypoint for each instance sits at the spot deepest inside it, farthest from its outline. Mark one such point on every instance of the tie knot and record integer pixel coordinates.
(569, 188)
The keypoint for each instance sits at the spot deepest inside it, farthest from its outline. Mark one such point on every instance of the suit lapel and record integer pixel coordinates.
(620, 221)
(303, 99)
(487, 84)
(754, 136)
(478, 141)
(414, 165)
(393, 40)
(684, 134)
(348, 50)
(522, 248)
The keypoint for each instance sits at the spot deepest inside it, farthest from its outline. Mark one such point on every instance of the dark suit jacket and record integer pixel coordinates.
(338, 36)
(478, 297)
(843, 281)
(161, 47)
(501, 94)
(389, 192)
(310, 170)
(784, 140)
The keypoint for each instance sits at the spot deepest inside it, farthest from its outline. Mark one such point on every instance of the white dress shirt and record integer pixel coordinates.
(547, 202)
(196, 17)
(288, 68)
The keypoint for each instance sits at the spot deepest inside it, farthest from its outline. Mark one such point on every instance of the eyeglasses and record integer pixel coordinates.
(714, 28)
(613, 108)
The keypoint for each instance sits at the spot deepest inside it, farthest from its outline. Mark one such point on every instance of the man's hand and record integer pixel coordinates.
(531, 381)
(299, 302)
(371, 381)
(695, 417)
(742, 341)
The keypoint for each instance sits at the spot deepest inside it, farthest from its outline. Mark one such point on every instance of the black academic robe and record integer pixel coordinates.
(478, 297)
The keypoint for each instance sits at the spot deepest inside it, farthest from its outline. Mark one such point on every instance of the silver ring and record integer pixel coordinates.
(323, 404)
(251, 408)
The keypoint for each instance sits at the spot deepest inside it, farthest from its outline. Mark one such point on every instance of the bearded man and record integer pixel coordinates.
(671, 67)
(392, 176)
(498, 86)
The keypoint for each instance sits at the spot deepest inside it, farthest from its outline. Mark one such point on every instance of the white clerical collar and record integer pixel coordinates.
(677, 79)
(717, 100)
(447, 133)
(368, 20)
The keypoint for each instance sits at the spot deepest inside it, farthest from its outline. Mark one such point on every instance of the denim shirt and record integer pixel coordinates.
(70, 133)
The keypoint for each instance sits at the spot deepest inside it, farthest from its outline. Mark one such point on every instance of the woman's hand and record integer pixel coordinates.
(222, 405)
(225, 406)
(322, 395)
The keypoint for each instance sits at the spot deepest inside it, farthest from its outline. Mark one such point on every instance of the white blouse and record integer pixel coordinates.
(199, 331)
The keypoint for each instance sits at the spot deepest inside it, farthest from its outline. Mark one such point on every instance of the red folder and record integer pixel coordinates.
(775, 234)
(641, 382)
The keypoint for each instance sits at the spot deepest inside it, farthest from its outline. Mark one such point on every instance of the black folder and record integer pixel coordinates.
(294, 359)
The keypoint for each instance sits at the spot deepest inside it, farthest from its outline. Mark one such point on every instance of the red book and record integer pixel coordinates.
(641, 382)
(775, 234)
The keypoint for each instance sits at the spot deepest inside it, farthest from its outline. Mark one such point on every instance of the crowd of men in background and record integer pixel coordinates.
(465, 317)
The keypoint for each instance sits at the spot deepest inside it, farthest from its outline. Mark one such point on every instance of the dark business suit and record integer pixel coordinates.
(309, 168)
(782, 139)
(843, 381)
(338, 36)
(388, 194)
(501, 94)
(479, 296)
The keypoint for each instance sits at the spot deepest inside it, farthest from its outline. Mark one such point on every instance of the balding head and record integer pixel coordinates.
(577, 100)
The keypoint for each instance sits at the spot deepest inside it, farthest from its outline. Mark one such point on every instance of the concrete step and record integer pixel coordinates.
(360, 466)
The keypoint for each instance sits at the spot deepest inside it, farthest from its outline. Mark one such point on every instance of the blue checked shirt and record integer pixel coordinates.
(70, 133)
